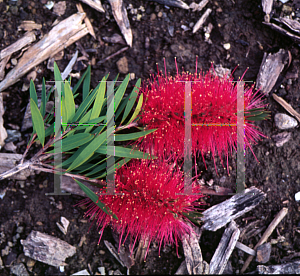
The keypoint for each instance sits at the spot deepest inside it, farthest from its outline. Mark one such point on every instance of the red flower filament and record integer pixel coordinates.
(150, 206)
(214, 108)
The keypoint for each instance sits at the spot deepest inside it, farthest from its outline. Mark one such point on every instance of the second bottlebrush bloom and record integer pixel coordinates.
(214, 109)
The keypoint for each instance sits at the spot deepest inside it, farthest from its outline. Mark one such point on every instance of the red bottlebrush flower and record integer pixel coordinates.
(151, 206)
(214, 101)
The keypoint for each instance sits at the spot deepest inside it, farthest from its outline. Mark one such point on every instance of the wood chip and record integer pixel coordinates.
(94, 4)
(120, 15)
(202, 20)
(87, 21)
(266, 235)
(286, 106)
(3, 133)
(270, 69)
(28, 25)
(192, 253)
(28, 38)
(224, 249)
(124, 260)
(61, 36)
(283, 31)
(47, 249)
(9, 161)
(267, 8)
(289, 268)
(219, 215)
(174, 3)
(245, 248)
(3, 63)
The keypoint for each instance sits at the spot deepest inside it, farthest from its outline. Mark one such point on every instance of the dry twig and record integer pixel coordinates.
(266, 235)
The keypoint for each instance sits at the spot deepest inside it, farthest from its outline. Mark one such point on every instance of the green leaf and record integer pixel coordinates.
(95, 199)
(88, 151)
(64, 113)
(37, 121)
(132, 99)
(98, 103)
(76, 140)
(86, 84)
(33, 94)
(120, 92)
(132, 136)
(49, 130)
(43, 105)
(137, 110)
(79, 82)
(58, 79)
(85, 104)
(123, 152)
(117, 166)
(70, 104)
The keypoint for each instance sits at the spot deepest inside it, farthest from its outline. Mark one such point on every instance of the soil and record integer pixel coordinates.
(25, 207)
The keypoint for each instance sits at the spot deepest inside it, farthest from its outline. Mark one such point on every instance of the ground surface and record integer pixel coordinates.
(278, 173)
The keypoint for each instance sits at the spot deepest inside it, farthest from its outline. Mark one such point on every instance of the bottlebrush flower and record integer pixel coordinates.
(214, 101)
(151, 207)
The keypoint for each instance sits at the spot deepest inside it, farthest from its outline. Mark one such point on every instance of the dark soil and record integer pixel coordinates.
(237, 22)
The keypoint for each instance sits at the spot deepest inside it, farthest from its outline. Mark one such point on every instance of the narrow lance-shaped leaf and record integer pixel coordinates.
(137, 110)
(44, 101)
(132, 99)
(70, 104)
(32, 91)
(86, 84)
(64, 113)
(95, 199)
(88, 151)
(132, 136)
(37, 121)
(98, 103)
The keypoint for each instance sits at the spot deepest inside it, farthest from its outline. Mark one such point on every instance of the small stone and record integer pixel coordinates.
(21, 183)
(30, 262)
(152, 16)
(122, 65)
(138, 17)
(14, 61)
(19, 270)
(81, 272)
(160, 14)
(226, 46)
(284, 121)
(102, 252)
(5, 251)
(297, 196)
(210, 182)
(60, 8)
(287, 9)
(12, 135)
(132, 76)
(171, 30)
(281, 138)
(20, 229)
(263, 253)
(10, 147)
(10, 244)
